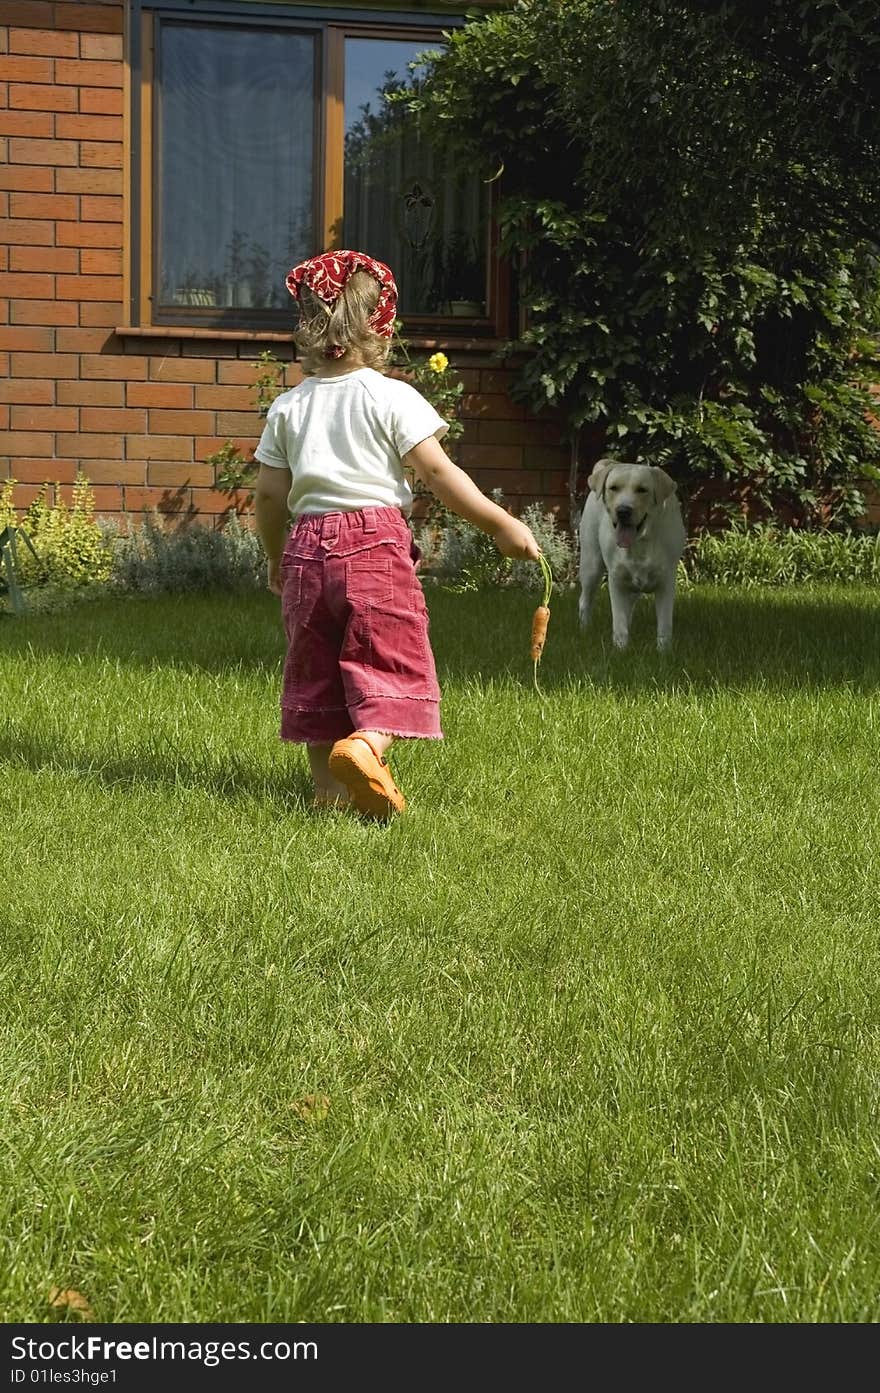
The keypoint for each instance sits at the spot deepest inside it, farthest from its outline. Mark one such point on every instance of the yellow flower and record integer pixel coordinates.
(438, 362)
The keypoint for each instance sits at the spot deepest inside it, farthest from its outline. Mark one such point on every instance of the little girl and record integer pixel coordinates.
(359, 670)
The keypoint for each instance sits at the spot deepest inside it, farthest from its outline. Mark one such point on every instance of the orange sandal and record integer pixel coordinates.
(366, 775)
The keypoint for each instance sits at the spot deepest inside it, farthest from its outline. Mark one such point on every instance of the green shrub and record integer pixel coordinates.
(432, 377)
(767, 555)
(79, 556)
(71, 547)
(694, 236)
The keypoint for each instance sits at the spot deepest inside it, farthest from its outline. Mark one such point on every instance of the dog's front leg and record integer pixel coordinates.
(664, 600)
(622, 605)
(591, 576)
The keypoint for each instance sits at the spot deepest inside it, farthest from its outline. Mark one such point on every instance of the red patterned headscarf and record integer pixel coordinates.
(326, 276)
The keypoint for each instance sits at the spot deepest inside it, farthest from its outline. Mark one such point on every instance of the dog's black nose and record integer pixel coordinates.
(624, 513)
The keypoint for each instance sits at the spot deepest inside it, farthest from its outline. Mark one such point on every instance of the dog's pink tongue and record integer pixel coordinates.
(625, 534)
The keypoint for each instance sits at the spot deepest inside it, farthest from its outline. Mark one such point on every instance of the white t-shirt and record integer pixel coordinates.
(342, 438)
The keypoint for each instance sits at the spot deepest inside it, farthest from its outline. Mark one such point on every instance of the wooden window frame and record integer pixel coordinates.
(331, 29)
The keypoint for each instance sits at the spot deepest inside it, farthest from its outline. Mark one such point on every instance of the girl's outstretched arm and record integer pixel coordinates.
(458, 491)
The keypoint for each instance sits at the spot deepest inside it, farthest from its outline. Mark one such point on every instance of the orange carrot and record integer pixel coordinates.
(540, 620)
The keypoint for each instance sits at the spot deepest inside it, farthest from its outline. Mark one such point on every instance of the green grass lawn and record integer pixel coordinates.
(590, 1034)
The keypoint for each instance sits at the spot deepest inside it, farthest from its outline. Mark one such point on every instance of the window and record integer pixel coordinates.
(265, 135)
(234, 190)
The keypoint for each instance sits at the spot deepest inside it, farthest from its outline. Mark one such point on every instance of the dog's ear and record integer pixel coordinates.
(664, 485)
(600, 473)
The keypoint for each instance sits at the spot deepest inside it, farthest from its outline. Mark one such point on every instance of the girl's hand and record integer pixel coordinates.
(513, 538)
(274, 579)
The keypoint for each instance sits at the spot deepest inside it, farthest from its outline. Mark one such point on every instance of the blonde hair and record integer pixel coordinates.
(344, 324)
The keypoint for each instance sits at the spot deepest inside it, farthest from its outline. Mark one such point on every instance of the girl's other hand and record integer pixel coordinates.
(274, 580)
(513, 538)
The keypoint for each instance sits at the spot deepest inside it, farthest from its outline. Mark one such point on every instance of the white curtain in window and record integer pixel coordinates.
(235, 176)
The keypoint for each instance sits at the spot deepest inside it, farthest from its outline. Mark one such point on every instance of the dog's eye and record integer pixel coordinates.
(613, 488)
(640, 488)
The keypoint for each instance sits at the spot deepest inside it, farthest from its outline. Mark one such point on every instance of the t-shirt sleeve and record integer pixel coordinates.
(413, 419)
(272, 449)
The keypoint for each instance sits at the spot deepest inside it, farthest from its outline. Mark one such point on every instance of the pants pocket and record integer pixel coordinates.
(368, 580)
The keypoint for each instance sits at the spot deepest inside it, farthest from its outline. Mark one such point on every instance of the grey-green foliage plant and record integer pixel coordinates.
(461, 557)
(693, 230)
(151, 559)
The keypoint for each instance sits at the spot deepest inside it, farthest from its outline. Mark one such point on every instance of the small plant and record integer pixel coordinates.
(462, 274)
(269, 381)
(443, 389)
(557, 548)
(233, 470)
(459, 555)
(69, 548)
(432, 377)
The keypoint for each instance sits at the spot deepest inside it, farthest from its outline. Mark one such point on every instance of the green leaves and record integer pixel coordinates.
(54, 544)
(687, 224)
(439, 384)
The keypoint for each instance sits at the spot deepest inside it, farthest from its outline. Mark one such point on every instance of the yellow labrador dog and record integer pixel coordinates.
(631, 528)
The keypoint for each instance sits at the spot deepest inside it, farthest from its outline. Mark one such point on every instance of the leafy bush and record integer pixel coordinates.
(80, 556)
(431, 376)
(698, 277)
(70, 545)
(767, 555)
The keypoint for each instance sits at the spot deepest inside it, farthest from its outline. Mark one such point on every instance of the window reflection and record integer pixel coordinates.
(403, 200)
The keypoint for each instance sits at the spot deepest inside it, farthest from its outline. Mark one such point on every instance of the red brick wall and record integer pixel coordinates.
(139, 415)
